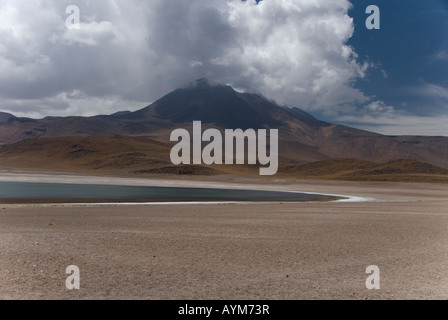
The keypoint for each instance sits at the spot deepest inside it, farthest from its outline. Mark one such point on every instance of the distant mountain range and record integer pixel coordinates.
(302, 138)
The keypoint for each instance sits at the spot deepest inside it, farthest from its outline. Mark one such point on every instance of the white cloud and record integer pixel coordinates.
(379, 117)
(70, 103)
(399, 124)
(434, 91)
(294, 51)
(379, 107)
(91, 34)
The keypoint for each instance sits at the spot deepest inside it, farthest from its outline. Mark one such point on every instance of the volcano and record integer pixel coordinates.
(302, 137)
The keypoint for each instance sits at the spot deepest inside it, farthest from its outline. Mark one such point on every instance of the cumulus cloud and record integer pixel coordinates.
(132, 51)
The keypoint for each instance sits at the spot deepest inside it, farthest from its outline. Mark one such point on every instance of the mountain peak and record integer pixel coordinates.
(207, 84)
(6, 116)
(203, 82)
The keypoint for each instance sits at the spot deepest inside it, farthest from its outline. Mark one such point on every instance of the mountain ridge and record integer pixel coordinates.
(302, 137)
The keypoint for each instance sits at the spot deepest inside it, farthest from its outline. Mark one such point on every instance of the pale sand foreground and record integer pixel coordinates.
(313, 250)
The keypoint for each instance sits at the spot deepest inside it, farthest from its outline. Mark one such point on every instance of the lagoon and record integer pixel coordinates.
(26, 192)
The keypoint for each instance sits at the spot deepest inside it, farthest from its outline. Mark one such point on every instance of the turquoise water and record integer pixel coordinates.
(11, 192)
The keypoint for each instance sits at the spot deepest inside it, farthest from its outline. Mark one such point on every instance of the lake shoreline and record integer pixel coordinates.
(48, 192)
(131, 202)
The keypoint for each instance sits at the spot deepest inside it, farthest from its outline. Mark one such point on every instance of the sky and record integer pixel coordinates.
(317, 55)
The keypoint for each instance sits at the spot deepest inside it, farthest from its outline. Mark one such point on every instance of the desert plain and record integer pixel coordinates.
(248, 250)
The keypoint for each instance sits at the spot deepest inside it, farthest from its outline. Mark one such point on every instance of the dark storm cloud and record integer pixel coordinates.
(135, 51)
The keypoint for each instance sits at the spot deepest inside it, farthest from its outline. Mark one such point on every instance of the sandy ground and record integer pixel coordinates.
(311, 250)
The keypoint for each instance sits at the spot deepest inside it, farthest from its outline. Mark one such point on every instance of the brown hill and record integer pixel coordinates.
(142, 156)
(109, 154)
(359, 170)
(433, 149)
(333, 168)
(403, 166)
(189, 170)
(401, 170)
